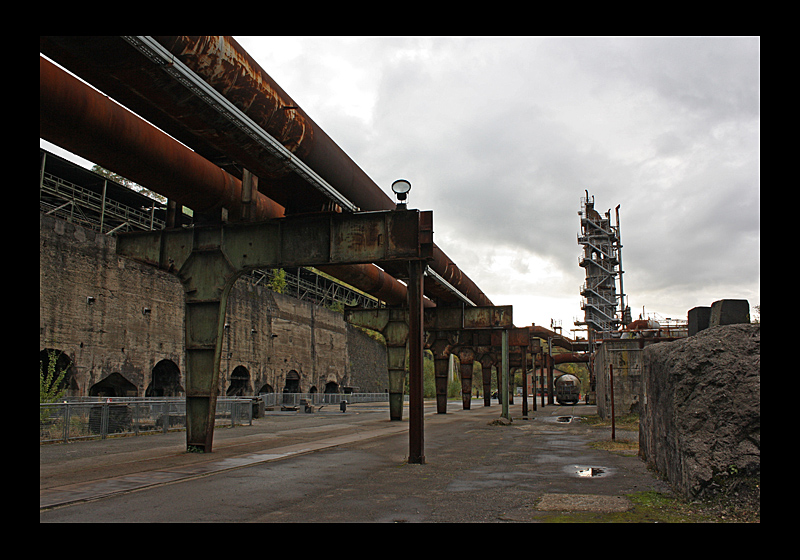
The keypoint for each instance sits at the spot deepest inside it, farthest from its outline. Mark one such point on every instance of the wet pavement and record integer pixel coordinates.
(331, 466)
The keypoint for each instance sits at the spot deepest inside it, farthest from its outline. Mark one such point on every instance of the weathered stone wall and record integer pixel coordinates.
(111, 315)
(701, 413)
(366, 366)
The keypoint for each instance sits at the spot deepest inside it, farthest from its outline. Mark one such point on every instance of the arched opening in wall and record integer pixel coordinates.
(292, 384)
(240, 383)
(313, 390)
(331, 387)
(63, 363)
(166, 381)
(115, 385)
(266, 388)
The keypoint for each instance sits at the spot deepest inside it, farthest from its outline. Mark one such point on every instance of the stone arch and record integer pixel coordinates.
(166, 380)
(239, 383)
(266, 388)
(292, 383)
(331, 387)
(114, 385)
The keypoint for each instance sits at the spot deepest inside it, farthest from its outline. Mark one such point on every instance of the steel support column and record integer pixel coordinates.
(392, 323)
(487, 361)
(207, 277)
(416, 436)
(466, 357)
(524, 383)
(504, 351)
(440, 348)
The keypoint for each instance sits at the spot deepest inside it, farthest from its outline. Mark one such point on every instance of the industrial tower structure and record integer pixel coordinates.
(602, 260)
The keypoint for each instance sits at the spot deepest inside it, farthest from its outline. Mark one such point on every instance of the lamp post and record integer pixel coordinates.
(416, 451)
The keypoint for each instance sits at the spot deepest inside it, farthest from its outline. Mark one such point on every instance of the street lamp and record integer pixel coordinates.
(401, 188)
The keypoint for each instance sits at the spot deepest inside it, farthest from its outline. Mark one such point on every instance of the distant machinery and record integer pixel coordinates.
(602, 260)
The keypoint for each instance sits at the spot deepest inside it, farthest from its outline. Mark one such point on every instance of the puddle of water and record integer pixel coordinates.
(564, 419)
(584, 471)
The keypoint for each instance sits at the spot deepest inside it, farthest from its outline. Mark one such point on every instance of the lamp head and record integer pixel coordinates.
(400, 189)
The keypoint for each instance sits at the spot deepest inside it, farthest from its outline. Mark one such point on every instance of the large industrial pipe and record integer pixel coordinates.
(119, 70)
(78, 118)
(571, 358)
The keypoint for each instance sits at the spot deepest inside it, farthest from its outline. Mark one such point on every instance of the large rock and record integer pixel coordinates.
(701, 414)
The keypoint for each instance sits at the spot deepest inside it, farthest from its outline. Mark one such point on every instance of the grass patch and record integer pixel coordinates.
(626, 422)
(627, 448)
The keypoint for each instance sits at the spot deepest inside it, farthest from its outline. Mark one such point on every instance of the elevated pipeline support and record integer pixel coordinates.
(446, 328)
(209, 259)
(117, 68)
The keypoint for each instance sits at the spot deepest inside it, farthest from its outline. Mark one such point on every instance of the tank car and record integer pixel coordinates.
(568, 388)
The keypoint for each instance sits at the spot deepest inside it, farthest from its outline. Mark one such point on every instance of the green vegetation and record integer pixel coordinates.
(278, 281)
(626, 422)
(51, 381)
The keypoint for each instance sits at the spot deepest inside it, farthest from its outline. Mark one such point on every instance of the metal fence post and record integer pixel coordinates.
(66, 422)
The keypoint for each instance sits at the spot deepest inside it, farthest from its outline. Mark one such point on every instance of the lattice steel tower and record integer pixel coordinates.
(602, 260)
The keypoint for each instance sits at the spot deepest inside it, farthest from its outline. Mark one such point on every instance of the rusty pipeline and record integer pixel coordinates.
(571, 358)
(119, 70)
(78, 118)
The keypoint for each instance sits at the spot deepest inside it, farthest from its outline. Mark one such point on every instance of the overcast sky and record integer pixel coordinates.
(500, 136)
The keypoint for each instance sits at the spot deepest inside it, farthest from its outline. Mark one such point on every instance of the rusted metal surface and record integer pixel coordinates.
(516, 337)
(558, 339)
(286, 242)
(229, 69)
(571, 357)
(78, 118)
(464, 318)
(416, 452)
(119, 70)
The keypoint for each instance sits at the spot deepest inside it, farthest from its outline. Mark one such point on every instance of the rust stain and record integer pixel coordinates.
(233, 73)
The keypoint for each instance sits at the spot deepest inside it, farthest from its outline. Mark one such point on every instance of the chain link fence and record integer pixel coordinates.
(78, 418)
(98, 418)
(295, 399)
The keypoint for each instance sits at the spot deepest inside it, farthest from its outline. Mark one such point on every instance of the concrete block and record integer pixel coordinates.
(729, 312)
(698, 319)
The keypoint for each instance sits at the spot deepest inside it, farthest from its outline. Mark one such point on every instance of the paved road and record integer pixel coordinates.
(347, 467)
